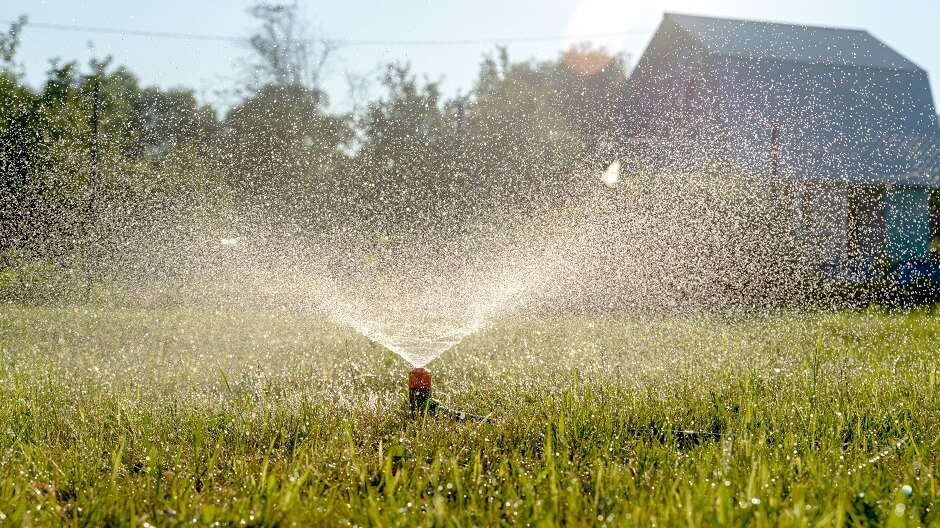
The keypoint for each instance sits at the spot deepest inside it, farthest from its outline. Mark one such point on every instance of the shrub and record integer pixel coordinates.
(27, 280)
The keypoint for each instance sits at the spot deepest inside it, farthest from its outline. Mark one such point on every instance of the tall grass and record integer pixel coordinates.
(176, 417)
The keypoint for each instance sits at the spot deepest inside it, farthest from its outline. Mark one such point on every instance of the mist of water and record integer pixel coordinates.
(616, 240)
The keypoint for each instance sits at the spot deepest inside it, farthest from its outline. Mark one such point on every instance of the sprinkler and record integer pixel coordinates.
(421, 402)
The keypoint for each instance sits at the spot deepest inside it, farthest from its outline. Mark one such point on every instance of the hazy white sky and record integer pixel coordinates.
(209, 67)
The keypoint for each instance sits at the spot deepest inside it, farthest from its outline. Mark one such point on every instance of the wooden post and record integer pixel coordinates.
(775, 150)
(95, 111)
(91, 219)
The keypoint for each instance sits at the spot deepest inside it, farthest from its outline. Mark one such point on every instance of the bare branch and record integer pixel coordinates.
(285, 49)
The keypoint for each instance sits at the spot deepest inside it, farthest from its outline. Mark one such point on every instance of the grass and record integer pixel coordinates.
(152, 418)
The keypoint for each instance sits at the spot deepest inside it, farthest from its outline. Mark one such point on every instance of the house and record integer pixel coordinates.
(848, 121)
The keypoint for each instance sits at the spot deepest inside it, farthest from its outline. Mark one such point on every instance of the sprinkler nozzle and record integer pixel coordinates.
(419, 391)
(421, 402)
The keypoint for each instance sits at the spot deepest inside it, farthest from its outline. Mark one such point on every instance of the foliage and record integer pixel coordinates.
(521, 141)
(28, 281)
(170, 120)
(9, 44)
(409, 150)
(280, 147)
(412, 157)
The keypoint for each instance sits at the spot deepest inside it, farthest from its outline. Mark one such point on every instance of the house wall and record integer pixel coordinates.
(867, 227)
(892, 222)
(823, 221)
(907, 216)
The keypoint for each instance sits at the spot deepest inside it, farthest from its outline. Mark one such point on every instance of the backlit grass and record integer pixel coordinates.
(176, 417)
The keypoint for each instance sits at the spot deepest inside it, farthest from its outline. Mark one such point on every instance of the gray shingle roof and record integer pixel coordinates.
(791, 43)
(846, 107)
(922, 154)
(894, 159)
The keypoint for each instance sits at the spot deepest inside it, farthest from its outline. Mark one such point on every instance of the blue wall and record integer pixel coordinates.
(907, 216)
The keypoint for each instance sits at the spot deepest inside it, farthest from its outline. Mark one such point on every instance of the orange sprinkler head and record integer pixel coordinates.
(419, 378)
(419, 391)
(421, 402)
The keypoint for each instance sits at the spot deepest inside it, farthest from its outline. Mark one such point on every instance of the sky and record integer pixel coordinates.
(212, 68)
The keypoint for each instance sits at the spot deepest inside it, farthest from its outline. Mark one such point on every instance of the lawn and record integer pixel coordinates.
(117, 416)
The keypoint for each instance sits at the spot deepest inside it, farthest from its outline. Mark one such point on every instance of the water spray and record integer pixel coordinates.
(422, 403)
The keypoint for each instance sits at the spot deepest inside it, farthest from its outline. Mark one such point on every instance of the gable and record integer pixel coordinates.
(657, 83)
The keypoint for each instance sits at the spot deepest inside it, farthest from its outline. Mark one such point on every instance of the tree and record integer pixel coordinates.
(284, 50)
(281, 148)
(518, 145)
(515, 141)
(44, 153)
(16, 138)
(588, 86)
(9, 44)
(408, 152)
(167, 120)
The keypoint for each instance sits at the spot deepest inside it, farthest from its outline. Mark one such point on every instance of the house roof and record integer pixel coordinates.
(922, 155)
(748, 39)
(894, 159)
(845, 106)
(848, 124)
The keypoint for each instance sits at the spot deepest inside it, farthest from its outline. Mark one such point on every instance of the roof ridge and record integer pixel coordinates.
(754, 39)
(766, 22)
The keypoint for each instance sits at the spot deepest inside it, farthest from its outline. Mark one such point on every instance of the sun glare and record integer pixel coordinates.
(607, 21)
(610, 23)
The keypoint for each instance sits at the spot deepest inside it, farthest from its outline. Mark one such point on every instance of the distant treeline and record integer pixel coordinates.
(409, 156)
